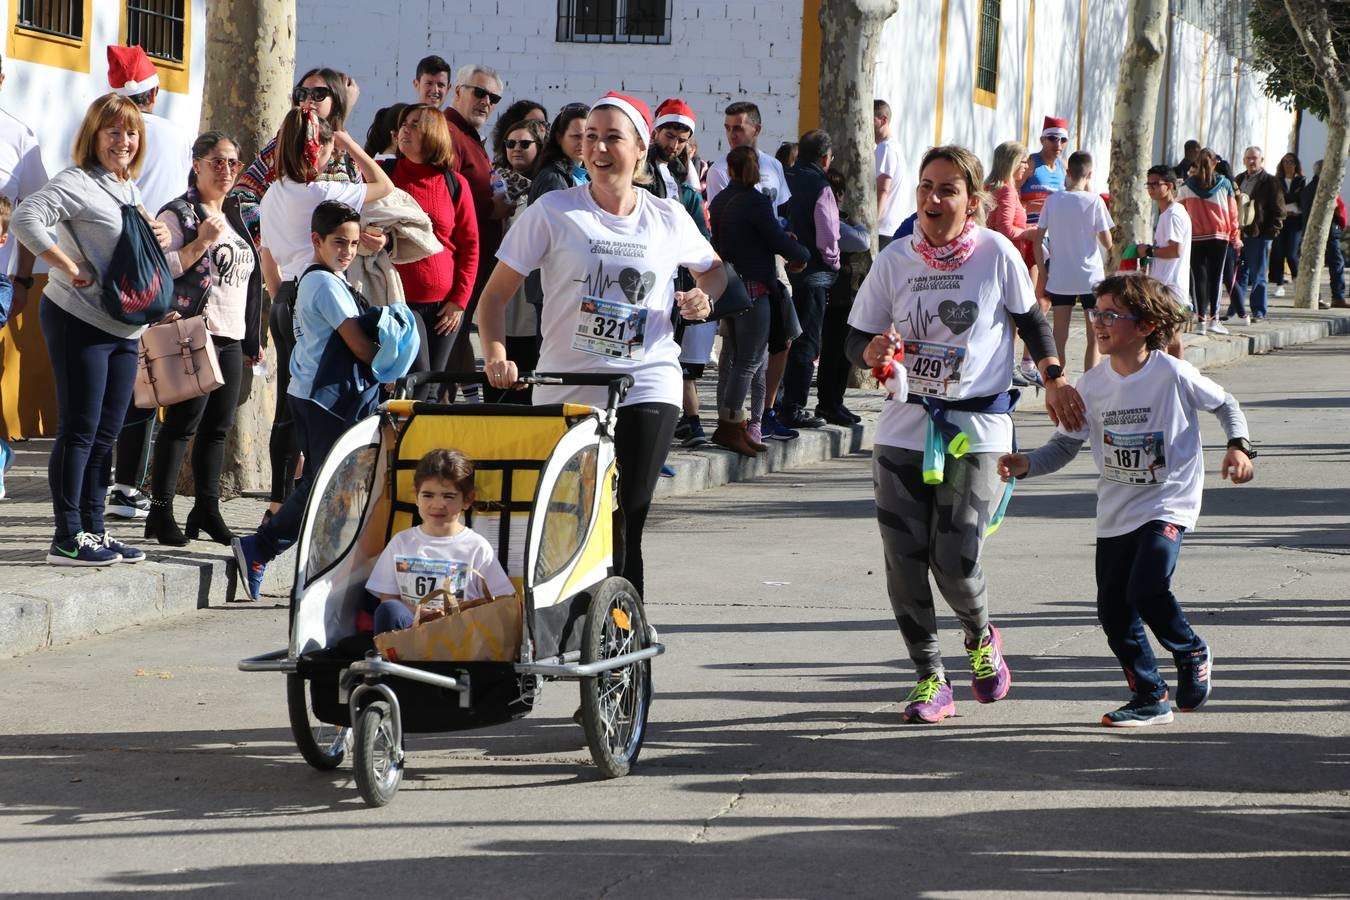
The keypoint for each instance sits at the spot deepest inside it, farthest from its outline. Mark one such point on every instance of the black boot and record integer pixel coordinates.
(205, 516)
(160, 526)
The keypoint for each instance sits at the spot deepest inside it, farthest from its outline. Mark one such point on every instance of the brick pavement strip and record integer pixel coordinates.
(44, 606)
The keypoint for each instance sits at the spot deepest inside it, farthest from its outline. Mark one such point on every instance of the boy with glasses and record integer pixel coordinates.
(1169, 255)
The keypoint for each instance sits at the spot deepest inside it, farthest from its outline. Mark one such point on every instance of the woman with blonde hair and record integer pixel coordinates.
(1008, 217)
(74, 224)
(950, 295)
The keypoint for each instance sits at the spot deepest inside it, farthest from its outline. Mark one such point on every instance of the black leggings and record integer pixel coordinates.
(642, 437)
(132, 453)
(283, 447)
(433, 354)
(1207, 258)
(210, 418)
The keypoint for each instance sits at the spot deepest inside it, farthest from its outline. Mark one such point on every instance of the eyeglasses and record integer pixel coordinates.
(1108, 318)
(220, 164)
(317, 94)
(525, 144)
(483, 93)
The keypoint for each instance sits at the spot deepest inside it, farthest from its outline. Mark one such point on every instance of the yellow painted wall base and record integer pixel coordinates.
(27, 391)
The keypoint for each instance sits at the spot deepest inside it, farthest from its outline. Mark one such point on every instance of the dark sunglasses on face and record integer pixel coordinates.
(317, 94)
(525, 144)
(483, 93)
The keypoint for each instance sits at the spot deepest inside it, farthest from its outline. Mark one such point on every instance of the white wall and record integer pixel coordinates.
(720, 52)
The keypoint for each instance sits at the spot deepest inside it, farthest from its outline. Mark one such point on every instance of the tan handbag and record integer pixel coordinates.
(178, 362)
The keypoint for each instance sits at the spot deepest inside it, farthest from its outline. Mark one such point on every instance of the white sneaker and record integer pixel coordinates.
(1279, 291)
(1217, 328)
(1241, 321)
(1202, 326)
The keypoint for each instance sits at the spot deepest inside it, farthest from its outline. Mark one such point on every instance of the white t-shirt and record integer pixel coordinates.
(21, 172)
(893, 213)
(629, 261)
(284, 215)
(168, 159)
(957, 331)
(468, 547)
(1174, 226)
(1072, 220)
(772, 182)
(1144, 431)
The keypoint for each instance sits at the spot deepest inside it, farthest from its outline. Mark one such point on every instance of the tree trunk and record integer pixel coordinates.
(250, 64)
(1141, 69)
(850, 35)
(1310, 22)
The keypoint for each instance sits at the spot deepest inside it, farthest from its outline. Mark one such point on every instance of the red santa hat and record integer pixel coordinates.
(674, 112)
(634, 109)
(130, 71)
(1054, 127)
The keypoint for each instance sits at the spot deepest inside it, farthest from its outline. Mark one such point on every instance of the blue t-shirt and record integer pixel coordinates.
(323, 302)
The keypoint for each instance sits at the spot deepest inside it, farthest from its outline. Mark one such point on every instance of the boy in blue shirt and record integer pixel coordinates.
(325, 307)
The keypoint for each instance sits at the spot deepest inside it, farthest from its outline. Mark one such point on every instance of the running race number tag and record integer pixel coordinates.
(610, 328)
(429, 582)
(1133, 458)
(934, 368)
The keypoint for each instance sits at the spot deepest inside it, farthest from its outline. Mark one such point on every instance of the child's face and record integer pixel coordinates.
(1126, 335)
(337, 249)
(440, 503)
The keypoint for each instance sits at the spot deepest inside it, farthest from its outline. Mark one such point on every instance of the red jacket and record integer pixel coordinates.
(448, 275)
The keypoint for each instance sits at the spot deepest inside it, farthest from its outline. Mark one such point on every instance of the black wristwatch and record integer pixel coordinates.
(25, 280)
(1244, 445)
(1053, 372)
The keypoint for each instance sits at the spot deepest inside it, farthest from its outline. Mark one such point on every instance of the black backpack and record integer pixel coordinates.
(451, 181)
(136, 288)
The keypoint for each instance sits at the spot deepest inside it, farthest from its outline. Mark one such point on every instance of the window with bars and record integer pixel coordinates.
(59, 18)
(614, 21)
(159, 26)
(986, 66)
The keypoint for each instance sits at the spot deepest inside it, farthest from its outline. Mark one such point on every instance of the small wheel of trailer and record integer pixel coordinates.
(614, 704)
(377, 756)
(322, 745)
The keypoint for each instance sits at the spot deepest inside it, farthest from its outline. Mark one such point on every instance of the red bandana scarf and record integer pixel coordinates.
(951, 256)
(312, 145)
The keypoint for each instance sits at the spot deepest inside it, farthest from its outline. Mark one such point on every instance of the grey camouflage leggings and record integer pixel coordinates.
(938, 529)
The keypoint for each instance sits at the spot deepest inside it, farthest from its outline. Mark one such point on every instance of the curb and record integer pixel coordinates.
(53, 606)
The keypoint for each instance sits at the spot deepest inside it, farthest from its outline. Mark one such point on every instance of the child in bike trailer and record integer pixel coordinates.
(1142, 422)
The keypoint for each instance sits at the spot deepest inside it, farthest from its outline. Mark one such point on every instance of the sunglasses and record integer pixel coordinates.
(483, 93)
(1057, 140)
(317, 94)
(520, 145)
(220, 164)
(1107, 318)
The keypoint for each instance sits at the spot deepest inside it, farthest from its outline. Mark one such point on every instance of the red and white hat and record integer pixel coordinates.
(634, 109)
(674, 112)
(1054, 127)
(130, 71)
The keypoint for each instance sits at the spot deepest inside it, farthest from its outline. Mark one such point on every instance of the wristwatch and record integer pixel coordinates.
(25, 280)
(1053, 372)
(1241, 443)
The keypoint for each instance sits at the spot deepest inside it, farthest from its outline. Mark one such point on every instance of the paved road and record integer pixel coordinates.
(776, 764)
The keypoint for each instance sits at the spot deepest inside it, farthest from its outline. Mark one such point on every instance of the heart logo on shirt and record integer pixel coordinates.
(636, 285)
(958, 316)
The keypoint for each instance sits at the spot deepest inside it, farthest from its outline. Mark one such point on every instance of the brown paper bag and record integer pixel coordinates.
(486, 630)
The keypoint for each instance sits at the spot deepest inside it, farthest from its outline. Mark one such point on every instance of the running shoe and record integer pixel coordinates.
(1140, 711)
(1194, 671)
(774, 430)
(1241, 321)
(123, 505)
(1218, 328)
(1279, 291)
(930, 701)
(681, 429)
(990, 678)
(250, 565)
(694, 435)
(756, 435)
(1202, 326)
(128, 553)
(1031, 373)
(667, 471)
(81, 550)
(1017, 378)
(6, 460)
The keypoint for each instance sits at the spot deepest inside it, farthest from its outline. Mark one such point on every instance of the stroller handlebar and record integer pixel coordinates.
(618, 385)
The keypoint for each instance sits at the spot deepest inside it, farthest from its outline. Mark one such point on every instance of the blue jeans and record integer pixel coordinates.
(1134, 589)
(1252, 274)
(1285, 250)
(809, 296)
(94, 373)
(1335, 262)
(744, 340)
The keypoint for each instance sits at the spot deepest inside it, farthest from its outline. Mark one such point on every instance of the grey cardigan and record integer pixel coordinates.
(75, 212)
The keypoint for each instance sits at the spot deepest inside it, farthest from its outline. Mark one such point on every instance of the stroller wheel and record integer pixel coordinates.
(614, 704)
(377, 756)
(322, 745)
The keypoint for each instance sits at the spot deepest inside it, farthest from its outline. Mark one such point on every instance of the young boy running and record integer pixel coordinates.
(1142, 422)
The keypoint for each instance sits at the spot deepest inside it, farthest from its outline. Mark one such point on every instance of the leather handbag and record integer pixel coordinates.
(735, 300)
(178, 362)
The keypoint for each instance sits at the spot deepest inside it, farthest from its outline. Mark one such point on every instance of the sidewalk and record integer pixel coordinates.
(43, 606)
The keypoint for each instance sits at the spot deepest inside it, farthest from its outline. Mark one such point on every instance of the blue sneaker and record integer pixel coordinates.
(6, 460)
(1193, 679)
(1140, 711)
(250, 565)
(81, 550)
(128, 553)
(667, 471)
(774, 430)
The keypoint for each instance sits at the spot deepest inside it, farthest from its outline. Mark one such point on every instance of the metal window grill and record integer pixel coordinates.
(986, 67)
(62, 18)
(614, 21)
(159, 27)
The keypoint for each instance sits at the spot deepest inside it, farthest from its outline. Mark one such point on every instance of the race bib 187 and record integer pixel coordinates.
(1133, 457)
(934, 368)
(610, 328)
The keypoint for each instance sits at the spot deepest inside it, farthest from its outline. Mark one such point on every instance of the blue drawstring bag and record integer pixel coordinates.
(136, 287)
